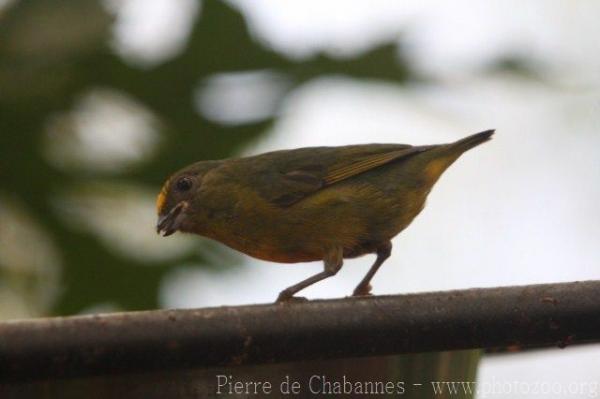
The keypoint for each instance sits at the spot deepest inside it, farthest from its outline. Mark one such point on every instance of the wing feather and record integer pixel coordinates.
(370, 162)
(287, 177)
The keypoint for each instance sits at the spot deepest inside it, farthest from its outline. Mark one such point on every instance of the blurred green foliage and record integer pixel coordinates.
(54, 51)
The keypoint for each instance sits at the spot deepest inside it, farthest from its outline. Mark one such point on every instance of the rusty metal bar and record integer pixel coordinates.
(536, 315)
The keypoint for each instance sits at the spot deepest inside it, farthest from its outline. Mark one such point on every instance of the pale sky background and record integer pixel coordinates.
(520, 209)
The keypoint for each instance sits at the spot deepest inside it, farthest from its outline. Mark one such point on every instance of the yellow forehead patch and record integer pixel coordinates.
(161, 199)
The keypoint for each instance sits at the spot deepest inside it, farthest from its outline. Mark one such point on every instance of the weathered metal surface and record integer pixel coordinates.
(538, 315)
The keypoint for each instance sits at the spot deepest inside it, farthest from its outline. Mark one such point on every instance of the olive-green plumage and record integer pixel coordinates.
(307, 204)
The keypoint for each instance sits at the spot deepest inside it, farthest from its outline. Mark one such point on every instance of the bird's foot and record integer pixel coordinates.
(362, 290)
(285, 297)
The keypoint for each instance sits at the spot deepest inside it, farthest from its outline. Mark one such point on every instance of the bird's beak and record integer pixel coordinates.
(170, 222)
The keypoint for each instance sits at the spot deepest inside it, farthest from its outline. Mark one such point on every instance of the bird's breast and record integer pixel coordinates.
(264, 231)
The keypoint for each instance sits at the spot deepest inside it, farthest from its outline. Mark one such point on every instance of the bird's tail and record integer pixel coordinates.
(439, 157)
(469, 142)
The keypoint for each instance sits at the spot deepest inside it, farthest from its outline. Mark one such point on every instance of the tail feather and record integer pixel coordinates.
(474, 140)
(440, 157)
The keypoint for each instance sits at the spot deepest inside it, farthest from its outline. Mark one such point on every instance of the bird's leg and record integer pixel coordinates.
(333, 262)
(383, 252)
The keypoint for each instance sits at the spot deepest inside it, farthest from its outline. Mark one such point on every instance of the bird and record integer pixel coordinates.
(309, 204)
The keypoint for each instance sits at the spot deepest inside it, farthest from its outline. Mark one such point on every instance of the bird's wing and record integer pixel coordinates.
(300, 173)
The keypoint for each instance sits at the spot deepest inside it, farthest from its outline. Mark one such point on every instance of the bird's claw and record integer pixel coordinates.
(284, 297)
(362, 290)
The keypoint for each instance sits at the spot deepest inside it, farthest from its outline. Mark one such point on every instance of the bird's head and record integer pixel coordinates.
(175, 202)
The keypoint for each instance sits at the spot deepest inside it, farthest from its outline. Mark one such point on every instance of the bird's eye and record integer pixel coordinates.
(183, 184)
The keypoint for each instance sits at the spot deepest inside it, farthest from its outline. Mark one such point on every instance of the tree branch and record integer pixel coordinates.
(536, 315)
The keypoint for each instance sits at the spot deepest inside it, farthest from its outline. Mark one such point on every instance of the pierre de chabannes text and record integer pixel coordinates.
(316, 384)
